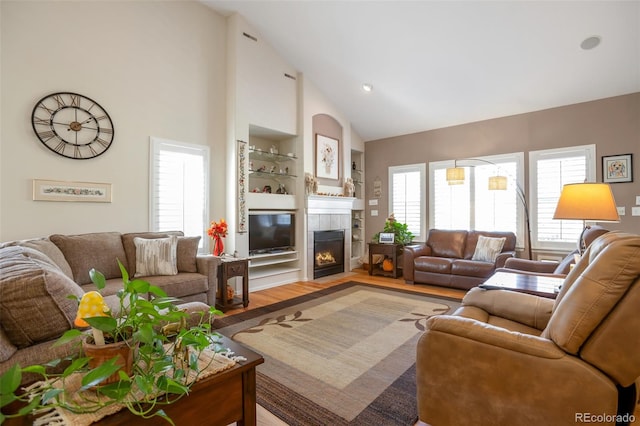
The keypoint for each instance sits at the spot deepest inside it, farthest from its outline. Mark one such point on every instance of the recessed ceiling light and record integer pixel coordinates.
(590, 42)
(367, 87)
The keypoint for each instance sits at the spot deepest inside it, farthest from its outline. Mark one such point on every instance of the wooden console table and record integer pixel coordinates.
(230, 267)
(223, 398)
(389, 250)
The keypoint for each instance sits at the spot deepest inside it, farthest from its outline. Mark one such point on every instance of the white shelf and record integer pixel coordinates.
(270, 272)
(261, 200)
(270, 259)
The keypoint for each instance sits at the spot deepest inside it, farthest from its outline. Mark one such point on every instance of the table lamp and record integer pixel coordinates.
(586, 202)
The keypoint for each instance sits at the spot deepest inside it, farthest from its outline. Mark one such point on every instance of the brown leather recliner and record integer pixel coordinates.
(556, 269)
(507, 358)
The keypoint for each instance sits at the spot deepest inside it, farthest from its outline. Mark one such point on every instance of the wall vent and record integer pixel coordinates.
(249, 36)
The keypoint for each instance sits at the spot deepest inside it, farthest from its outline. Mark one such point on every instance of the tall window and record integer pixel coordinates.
(472, 205)
(551, 169)
(407, 197)
(179, 186)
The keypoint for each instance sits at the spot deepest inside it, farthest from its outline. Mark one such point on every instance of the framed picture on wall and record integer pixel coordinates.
(617, 168)
(327, 158)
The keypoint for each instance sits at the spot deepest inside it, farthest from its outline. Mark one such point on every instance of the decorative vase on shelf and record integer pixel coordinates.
(218, 246)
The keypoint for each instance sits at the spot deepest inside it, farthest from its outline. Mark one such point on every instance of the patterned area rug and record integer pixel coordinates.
(340, 356)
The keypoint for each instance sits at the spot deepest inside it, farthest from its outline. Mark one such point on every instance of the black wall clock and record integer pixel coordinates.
(72, 125)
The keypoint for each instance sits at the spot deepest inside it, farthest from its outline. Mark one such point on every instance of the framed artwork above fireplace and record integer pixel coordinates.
(327, 159)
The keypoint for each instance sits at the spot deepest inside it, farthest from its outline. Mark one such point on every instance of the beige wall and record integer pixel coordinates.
(158, 68)
(613, 124)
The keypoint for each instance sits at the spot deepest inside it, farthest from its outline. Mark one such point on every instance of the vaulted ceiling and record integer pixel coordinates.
(435, 64)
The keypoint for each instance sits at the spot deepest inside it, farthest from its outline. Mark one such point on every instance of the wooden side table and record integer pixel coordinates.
(389, 250)
(230, 267)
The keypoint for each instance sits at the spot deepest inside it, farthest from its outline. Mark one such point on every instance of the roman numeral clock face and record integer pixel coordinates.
(72, 125)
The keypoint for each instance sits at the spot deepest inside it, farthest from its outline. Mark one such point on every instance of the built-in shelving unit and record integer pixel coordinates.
(358, 245)
(272, 166)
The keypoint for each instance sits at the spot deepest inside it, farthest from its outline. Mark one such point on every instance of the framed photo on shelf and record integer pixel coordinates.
(617, 168)
(327, 158)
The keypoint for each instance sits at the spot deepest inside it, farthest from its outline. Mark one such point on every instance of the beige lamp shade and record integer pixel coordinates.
(498, 183)
(455, 175)
(587, 201)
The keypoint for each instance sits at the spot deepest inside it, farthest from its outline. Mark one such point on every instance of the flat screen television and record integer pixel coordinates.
(271, 232)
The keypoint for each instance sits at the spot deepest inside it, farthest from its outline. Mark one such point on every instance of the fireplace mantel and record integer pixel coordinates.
(325, 204)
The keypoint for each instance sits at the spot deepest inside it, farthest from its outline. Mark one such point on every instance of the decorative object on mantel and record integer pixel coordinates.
(617, 168)
(348, 187)
(55, 190)
(310, 183)
(217, 231)
(72, 125)
(400, 230)
(82, 393)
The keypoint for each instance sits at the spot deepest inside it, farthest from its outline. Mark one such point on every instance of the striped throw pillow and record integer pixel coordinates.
(156, 256)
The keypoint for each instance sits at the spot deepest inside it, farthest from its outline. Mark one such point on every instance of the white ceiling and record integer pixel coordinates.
(436, 64)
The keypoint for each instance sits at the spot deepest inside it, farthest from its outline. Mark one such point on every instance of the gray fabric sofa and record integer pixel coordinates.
(37, 275)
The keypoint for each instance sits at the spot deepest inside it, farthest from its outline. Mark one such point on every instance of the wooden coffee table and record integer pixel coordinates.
(539, 285)
(220, 399)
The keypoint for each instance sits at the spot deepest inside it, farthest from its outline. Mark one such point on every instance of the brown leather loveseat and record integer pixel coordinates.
(449, 258)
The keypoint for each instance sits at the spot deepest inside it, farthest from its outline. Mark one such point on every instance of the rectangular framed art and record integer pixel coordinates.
(617, 168)
(55, 190)
(327, 158)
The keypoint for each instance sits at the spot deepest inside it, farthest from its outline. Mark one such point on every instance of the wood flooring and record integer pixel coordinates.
(266, 297)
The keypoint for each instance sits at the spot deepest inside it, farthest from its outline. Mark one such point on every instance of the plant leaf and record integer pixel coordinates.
(68, 336)
(10, 380)
(75, 365)
(97, 278)
(100, 373)
(103, 323)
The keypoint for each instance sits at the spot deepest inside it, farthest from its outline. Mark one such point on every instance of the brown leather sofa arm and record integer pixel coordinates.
(208, 265)
(488, 334)
(524, 308)
(531, 265)
(503, 258)
(409, 254)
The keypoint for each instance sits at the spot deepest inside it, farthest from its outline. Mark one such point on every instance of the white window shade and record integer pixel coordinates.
(551, 170)
(407, 197)
(179, 187)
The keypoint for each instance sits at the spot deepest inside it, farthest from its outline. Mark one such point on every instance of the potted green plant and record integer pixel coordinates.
(163, 368)
(400, 230)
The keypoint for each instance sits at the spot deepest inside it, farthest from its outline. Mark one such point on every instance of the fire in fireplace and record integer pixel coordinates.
(328, 253)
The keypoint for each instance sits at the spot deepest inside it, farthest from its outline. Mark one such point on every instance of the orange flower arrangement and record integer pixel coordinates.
(217, 231)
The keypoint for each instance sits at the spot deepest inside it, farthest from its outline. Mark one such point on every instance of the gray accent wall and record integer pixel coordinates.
(612, 124)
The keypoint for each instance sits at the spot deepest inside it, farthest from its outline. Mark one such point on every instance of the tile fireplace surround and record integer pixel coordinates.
(325, 213)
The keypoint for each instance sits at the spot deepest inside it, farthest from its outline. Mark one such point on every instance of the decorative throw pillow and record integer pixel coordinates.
(187, 252)
(488, 248)
(34, 306)
(156, 256)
